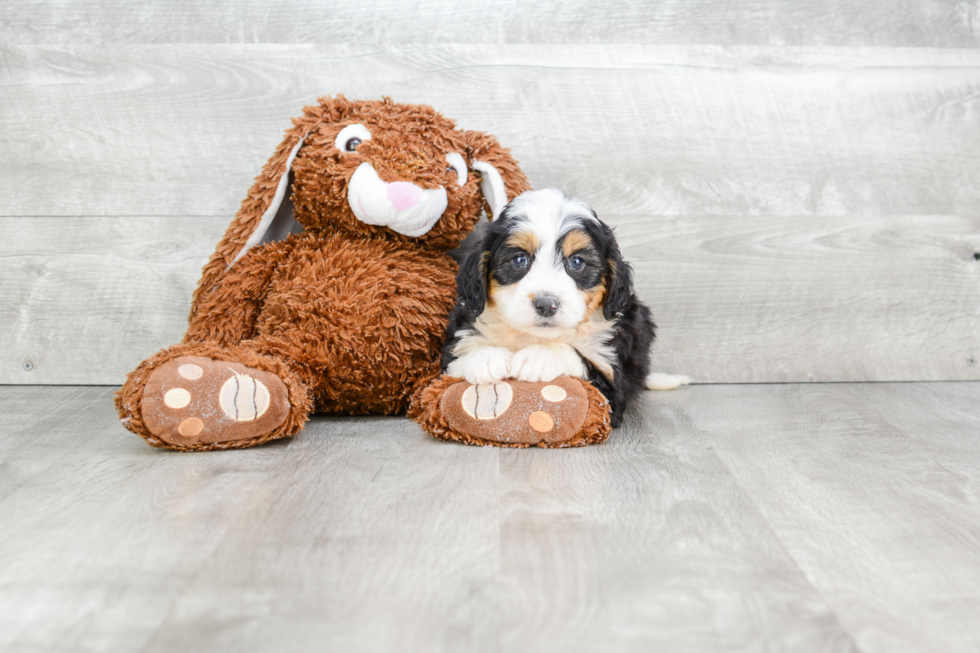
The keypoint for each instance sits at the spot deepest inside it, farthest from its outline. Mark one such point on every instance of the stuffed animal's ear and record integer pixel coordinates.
(501, 179)
(471, 283)
(277, 221)
(266, 212)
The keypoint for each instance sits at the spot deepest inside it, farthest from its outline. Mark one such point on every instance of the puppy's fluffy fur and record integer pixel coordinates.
(547, 293)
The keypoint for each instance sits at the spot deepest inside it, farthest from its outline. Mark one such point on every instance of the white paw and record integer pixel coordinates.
(488, 365)
(537, 363)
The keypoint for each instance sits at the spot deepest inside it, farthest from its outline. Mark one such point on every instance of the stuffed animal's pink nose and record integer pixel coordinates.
(404, 195)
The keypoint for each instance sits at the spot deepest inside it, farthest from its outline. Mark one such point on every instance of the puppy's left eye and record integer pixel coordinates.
(519, 261)
(576, 263)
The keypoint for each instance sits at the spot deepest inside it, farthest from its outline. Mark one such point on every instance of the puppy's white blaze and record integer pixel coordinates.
(545, 277)
(549, 215)
(550, 206)
(372, 204)
(660, 381)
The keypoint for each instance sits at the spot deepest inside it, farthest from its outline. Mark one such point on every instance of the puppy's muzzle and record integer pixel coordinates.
(546, 305)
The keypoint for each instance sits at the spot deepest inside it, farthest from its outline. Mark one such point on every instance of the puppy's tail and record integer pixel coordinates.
(660, 381)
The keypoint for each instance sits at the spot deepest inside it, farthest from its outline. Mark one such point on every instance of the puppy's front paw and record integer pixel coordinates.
(537, 363)
(488, 365)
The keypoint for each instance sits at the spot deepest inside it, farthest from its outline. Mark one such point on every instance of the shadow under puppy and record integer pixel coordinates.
(547, 294)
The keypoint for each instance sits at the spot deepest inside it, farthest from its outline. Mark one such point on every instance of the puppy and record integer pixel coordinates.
(546, 294)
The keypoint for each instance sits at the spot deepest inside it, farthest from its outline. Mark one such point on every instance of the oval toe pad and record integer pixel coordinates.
(518, 412)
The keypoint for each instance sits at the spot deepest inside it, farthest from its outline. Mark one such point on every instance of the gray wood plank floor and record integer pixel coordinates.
(718, 518)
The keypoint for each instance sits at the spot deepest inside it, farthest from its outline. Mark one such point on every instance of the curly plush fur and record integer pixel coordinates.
(350, 316)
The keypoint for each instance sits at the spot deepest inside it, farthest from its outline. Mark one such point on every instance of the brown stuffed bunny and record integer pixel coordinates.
(346, 315)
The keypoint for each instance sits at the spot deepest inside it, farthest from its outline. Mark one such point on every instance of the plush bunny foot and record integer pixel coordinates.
(566, 412)
(192, 402)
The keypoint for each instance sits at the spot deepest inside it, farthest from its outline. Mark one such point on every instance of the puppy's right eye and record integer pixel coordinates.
(519, 261)
(352, 144)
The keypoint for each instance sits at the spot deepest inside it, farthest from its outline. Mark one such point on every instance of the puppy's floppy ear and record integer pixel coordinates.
(264, 214)
(501, 179)
(471, 282)
(619, 286)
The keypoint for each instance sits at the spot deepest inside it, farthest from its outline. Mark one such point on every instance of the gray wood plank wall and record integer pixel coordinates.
(795, 182)
(943, 23)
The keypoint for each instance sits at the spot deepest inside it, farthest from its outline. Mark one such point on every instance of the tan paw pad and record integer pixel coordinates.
(190, 427)
(487, 401)
(194, 400)
(553, 393)
(177, 398)
(541, 422)
(190, 371)
(244, 398)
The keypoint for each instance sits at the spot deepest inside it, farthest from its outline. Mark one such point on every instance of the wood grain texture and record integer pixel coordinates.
(366, 535)
(742, 518)
(737, 298)
(120, 548)
(858, 484)
(757, 22)
(665, 130)
(795, 214)
(394, 545)
(829, 298)
(84, 300)
(646, 544)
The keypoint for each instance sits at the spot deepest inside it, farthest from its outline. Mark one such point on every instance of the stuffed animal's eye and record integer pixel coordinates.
(576, 263)
(351, 136)
(457, 164)
(519, 261)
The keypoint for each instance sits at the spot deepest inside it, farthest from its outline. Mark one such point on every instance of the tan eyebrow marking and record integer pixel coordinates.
(525, 240)
(575, 241)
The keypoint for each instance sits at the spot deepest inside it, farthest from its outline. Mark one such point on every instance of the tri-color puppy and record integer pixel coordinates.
(548, 294)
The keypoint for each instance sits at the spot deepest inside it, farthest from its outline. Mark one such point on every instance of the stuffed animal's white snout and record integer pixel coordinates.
(401, 206)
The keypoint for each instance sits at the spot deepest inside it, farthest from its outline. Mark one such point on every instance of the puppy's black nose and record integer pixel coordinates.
(546, 305)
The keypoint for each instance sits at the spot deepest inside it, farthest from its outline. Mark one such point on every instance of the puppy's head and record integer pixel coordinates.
(547, 264)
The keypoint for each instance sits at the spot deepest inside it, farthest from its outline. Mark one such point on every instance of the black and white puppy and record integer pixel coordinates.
(546, 294)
